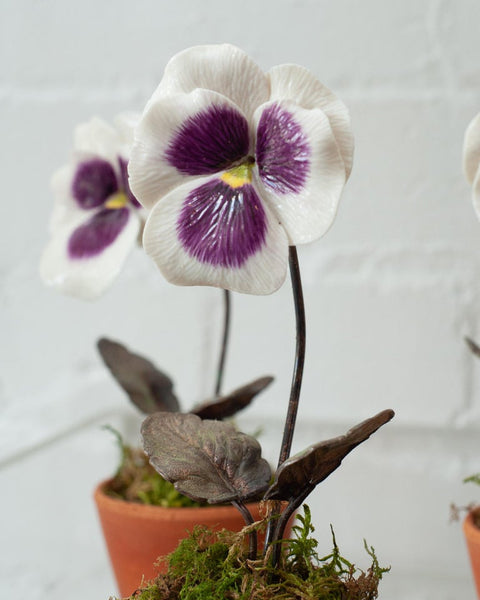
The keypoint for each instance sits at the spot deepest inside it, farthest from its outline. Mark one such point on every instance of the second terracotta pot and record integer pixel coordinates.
(472, 535)
(137, 534)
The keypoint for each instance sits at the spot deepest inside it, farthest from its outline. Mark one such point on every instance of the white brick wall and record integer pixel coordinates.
(390, 291)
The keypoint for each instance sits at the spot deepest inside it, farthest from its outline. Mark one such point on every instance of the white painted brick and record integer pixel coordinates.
(55, 545)
(470, 415)
(106, 44)
(380, 336)
(162, 322)
(407, 184)
(458, 42)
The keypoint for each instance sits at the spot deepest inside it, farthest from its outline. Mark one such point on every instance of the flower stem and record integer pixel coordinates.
(223, 349)
(299, 355)
(270, 536)
(281, 525)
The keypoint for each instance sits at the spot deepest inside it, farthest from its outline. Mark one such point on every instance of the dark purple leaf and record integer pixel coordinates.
(227, 406)
(148, 388)
(299, 475)
(206, 460)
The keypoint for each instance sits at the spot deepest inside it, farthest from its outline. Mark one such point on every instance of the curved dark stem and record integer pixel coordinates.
(296, 379)
(223, 350)
(299, 355)
(282, 523)
(275, 509)
(252, 536)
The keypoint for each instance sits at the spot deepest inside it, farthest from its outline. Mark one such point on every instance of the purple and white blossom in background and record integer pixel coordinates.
(235, 165)
(471, 159)
(96, 218)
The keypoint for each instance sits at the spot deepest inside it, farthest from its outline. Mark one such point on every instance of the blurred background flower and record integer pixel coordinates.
(96, 218)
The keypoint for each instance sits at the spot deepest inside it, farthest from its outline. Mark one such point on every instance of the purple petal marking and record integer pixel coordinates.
(93, 183)
(99, 232)
(222, 226)
(209, 142)
(124, 182)
(283, 152)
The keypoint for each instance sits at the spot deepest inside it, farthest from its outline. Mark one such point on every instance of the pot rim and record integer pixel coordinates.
(151, 511)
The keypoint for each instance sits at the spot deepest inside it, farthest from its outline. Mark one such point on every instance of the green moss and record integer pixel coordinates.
(151, 592)
(215, 566)
(137, 481)
(473, 479)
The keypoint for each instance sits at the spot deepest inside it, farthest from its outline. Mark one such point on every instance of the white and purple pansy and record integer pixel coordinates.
(235, 165)
(96, 218)
(471, 159)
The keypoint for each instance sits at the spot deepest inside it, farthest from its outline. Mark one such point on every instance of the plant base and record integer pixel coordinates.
(137, 534)
(216, 566)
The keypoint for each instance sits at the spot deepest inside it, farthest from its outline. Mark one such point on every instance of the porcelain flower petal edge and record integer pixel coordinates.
(300, 167)
(293, 82)
(222, 68)
(471, 149)
(207, 232)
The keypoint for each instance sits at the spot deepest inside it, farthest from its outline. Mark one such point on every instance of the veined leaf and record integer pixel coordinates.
(205, 460)
(299, 475)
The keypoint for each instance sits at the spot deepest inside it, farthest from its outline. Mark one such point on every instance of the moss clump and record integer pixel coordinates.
(215, 566)
(137, 481)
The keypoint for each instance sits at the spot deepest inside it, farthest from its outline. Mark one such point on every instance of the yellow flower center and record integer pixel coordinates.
(238, 176)
(118, 200)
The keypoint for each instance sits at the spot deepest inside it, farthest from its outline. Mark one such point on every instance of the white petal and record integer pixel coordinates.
(222, 68)
(471, 149)
(86, 278)
(98, 138)
(295, 83)
(151, 176)
(262, 273)
(65, 206)
(307, 212)
(125, 124)
(476, 194)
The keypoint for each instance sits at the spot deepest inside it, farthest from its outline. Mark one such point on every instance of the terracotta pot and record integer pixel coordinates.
(472, 535)
(137, 534)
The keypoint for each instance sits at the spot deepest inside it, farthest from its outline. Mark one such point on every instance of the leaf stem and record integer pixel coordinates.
(223, 348)
(299, 355)
(252, 536)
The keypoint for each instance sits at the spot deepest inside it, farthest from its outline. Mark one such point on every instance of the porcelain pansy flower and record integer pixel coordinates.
(471, 159)
(235, 165)
(96, 218)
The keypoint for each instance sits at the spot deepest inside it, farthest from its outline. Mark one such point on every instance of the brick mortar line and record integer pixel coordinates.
(395, 265)
(370, 93)
(61, 435)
